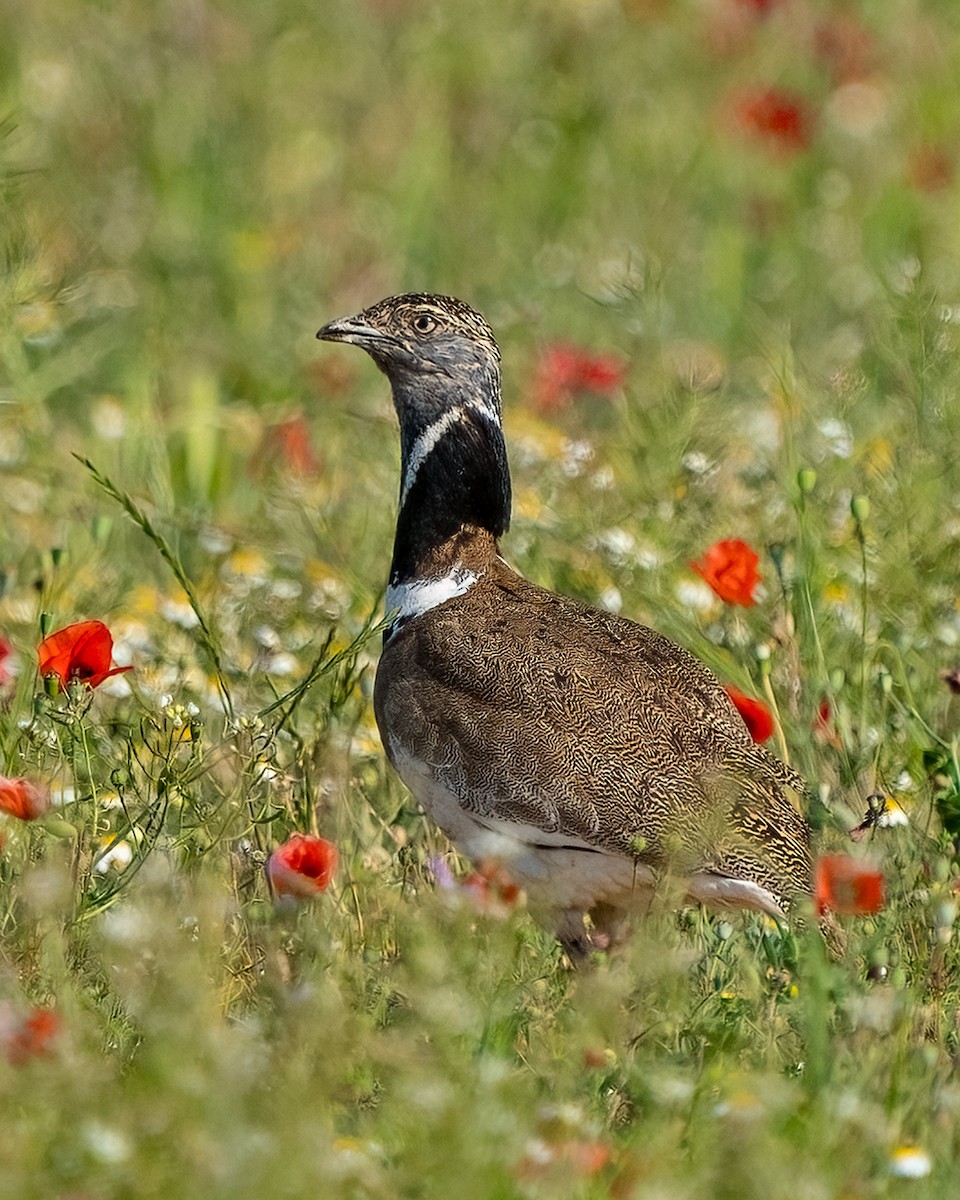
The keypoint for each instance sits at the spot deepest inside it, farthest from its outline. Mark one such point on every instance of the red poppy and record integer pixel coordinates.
(303, 866)
(288, 445)
(22, 799)
(778, 116)
(594, 1058)
(760, 7)
(25, 1037)
(565, 371)
(491, 888)
(580, 1157)
(83, 651)
(824, 726)
(730, 567)
(848, 885)
(756, 716)
(6, 651)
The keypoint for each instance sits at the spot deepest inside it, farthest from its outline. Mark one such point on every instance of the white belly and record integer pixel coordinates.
(556, 870)
(563, 874)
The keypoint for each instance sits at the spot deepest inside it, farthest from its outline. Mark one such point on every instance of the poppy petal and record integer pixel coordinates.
(730, 567)
(26, 1036)
(847, 885)
(22, 799)
(564, 371)
(81, 651)
(756, 716)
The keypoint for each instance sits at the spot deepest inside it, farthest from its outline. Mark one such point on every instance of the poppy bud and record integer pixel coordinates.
(860, 508)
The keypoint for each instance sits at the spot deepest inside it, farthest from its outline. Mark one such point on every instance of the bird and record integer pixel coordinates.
(590, 758)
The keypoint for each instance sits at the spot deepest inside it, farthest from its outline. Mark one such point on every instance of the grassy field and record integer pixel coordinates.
(749, 204)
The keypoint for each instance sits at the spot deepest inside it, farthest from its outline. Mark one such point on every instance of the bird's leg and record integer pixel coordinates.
(580, 939)
(609, 925)
(572, 934)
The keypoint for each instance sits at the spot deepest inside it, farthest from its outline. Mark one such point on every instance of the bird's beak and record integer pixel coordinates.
(352, 330)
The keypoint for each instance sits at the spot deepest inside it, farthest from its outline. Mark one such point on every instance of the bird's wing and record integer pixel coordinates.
(537, 710)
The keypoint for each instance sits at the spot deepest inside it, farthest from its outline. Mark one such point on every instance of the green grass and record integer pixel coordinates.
(188, 191)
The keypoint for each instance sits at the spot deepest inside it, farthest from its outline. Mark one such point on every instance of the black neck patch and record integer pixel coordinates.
(463, 480)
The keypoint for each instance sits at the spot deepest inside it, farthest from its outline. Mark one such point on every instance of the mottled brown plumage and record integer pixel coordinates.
(590, 755)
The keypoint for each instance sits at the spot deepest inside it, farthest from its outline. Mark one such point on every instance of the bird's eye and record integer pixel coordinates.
(424, 323)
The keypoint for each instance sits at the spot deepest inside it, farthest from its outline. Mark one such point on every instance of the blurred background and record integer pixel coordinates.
(719, 242)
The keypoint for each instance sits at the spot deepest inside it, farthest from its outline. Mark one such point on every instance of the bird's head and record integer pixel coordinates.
(435, 350)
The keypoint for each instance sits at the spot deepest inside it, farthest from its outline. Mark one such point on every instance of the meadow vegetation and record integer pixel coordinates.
(746, 212)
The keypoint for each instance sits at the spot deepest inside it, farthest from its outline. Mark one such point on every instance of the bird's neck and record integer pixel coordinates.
(454, 491)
